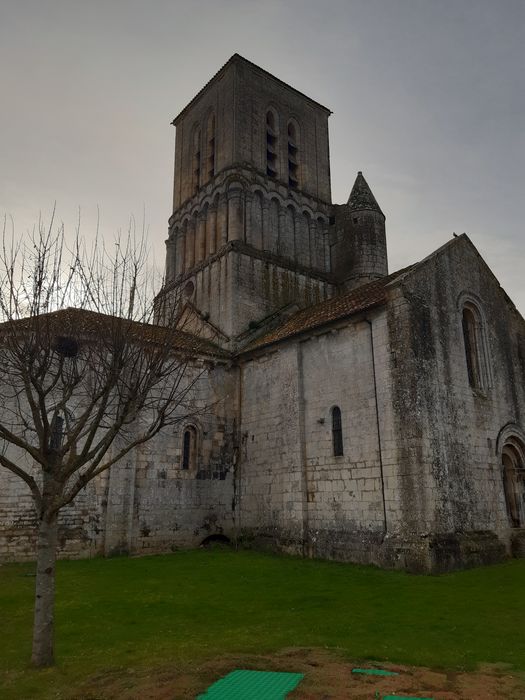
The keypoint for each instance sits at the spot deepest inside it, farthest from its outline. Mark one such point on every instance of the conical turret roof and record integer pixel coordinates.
(361, 196)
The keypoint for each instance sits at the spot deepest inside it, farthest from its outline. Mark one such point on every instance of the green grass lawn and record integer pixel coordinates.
(190, 606)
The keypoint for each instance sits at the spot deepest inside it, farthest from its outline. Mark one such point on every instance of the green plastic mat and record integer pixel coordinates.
(403, 697)
(253, 685)
(374, 672)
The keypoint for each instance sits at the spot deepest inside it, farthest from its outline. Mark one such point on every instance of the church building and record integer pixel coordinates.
(349, 412)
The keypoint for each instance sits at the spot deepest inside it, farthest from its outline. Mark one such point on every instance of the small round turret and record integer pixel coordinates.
(359, 253)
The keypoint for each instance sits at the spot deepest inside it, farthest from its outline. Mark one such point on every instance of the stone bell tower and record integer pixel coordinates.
(248, 237)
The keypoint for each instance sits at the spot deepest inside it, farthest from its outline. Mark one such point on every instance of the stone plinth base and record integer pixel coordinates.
(431, 554)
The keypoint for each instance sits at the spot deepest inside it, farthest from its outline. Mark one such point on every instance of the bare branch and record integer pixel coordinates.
(87, 377)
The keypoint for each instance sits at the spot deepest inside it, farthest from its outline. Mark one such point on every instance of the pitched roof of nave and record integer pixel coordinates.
(361, 299)
(368, 296)
(73, 321)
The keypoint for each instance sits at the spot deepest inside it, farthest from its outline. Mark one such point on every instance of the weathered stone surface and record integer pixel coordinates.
(425, 471)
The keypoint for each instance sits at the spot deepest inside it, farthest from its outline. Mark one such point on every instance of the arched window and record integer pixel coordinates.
(293, 150)
(211, 145)
(189, 448)
(271, 143)
(337, 432)
(475, 352)
(196, 159)
(513, 465)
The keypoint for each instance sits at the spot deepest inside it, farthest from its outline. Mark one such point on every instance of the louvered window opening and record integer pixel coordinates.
(271, 145)
(293, 164)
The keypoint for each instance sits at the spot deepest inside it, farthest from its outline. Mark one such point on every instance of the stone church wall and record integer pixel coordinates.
(262, 287)
(81, 523)
(291, 481)
(146, 503)
(252, 238)
(155, 506)
(345, 505)
(449, 452)
(271, 482)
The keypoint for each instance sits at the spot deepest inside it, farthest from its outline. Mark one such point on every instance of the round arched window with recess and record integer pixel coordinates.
(475, 343)
(189, 448)
(513, 473)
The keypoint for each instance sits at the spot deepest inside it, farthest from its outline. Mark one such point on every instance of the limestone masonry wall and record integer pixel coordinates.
(146, 502)
(293, 487)
(391, 432)
(448, 432)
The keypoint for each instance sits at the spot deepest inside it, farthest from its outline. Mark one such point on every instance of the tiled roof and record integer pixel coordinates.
(82, 321)
(360, 299)
(74, 321)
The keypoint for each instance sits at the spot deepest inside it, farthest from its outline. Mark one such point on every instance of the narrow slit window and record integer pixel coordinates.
(189, 448)
(271, 144)
(337, 432)
(293, 156)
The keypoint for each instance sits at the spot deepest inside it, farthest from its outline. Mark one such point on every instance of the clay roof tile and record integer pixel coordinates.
(365, 297)
(84, 322)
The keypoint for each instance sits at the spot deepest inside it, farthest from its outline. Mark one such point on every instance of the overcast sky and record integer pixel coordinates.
(428, 99)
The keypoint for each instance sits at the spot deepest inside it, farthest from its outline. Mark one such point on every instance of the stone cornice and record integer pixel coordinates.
(248, 250)
(252, 179)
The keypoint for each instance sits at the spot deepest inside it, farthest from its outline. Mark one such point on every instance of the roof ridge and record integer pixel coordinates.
(232, 59)
(200, 345)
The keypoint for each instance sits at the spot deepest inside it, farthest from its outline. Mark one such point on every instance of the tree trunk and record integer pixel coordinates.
(43, 630)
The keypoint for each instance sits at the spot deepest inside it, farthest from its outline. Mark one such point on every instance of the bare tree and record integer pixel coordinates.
(85, 377)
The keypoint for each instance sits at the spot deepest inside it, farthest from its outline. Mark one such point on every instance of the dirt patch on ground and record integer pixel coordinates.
(328, 676)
